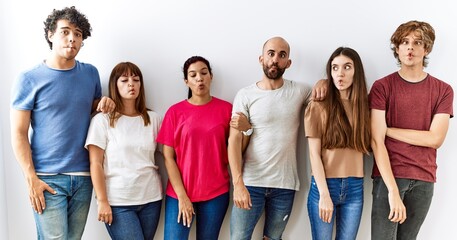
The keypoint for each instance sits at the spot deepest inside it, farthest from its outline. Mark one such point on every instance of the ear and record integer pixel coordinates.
(50, 35)
(261, 59)
(289, 62)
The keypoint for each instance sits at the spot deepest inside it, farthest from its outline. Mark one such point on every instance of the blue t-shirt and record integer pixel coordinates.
(60, 102)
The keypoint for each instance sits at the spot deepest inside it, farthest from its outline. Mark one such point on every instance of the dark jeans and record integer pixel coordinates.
(209, 216)
(135, 221)
(417, 197)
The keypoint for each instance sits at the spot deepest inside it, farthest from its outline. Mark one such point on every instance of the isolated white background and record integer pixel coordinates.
(160, 35)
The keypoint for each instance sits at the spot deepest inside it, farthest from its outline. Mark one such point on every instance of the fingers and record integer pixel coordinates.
(326, 215)
(397, 215)
(35, 202)
(186, 217)
(106, 105)
(106, 217)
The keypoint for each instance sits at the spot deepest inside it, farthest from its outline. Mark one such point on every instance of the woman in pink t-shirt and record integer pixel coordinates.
(194, 135)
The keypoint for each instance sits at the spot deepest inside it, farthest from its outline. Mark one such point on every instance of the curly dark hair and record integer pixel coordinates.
(70, 14)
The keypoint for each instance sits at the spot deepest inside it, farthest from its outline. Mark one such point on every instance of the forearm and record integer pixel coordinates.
(383, 163)
(174, 175)
(98, 181)
(235, 156)
(415, 137)
(23, 154)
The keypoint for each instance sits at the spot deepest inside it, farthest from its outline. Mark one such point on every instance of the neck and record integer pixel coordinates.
(60, 63)
(270, 84)
(129, 109)
(199, 100)
(412, 74)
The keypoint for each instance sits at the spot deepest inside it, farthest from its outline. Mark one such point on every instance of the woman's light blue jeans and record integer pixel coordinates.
(347, 198)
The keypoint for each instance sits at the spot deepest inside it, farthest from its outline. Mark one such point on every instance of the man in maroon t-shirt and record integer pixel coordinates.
(410, 112)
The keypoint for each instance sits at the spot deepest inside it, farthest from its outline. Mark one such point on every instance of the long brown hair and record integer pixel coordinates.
(140, 102)
(339, 132)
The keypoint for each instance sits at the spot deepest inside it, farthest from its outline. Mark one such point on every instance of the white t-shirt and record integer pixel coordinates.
(131, 175)
(270, 158)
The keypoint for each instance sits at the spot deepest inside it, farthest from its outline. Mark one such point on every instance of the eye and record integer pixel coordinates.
(78, 34)
(283, 55)
(192, 75)
(418, 43)
(271, 54)
(64, 32)
(405, 42)
(335, 68)
(347, 67)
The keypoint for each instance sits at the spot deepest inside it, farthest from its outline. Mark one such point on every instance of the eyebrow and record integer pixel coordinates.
(68, 28)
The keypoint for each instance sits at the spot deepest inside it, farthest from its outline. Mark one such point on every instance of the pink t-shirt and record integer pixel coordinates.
(411, 106)
(199, 136)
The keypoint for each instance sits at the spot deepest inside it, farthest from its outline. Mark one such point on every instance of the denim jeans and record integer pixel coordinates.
(277, 203)
(66, 212)
(417, 197)
(209, 216)
(347, 198)
(135, 222)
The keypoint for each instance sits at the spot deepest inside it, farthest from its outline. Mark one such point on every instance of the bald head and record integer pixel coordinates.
(276, 42)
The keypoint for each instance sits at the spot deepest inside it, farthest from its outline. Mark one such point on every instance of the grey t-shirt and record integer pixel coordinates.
(270, 158)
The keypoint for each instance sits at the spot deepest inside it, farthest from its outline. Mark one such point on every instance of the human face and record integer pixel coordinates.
(199, 79)
(66, 40)
(275, 58)
(343, 74)
(128, 86)
(411, 50)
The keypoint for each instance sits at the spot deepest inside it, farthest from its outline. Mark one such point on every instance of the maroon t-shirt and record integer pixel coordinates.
(411, 106)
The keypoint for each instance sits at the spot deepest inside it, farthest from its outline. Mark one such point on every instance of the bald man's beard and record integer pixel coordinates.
(275, 74)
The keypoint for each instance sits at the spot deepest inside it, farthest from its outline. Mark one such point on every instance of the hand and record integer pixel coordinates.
(397, 208)
(320, 90)
(325, 208)
(36, 194)
(186, 211)
(240, 122)
(105, 213)
(241, 197)
(106, 105)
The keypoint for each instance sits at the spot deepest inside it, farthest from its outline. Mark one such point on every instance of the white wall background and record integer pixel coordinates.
(160, 35)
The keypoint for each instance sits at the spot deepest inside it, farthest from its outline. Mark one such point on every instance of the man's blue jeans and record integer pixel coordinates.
(347, 198)
(417, 198)
(66, 212)
(135, 221)
(208, 214)
(277, 204)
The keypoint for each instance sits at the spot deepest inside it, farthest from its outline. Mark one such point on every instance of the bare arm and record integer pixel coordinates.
(241, 197)
(97, 173)
(20, 122)
(186, 209)
(433, 138)
(325, 201)
(378, 133)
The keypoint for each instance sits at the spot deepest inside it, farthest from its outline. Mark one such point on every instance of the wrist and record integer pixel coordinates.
(248, 132)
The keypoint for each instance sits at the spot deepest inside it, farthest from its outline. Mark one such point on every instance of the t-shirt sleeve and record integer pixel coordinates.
(240, 104)
(22, 94)
(313, 120)
(167, 130)
(378, 96)
(446, 103)
(98, 87)
(98, 131)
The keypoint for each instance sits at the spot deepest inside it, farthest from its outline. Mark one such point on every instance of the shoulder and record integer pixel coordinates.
(100, 118)
(440, 83)
(222, 102)
(153, 115)
(316, 106)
